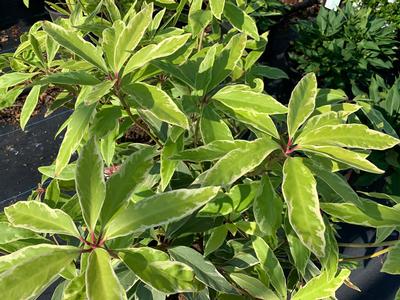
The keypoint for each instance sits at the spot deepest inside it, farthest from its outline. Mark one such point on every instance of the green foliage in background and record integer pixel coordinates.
(345, 47)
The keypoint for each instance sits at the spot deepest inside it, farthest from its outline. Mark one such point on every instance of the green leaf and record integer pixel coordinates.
(239, 162)
(75, 43)
(132, 34)
(204, 270)
(300, 253)
(241, 20)
(203, 76)
(216, 239)
(329, 96)
(29, 105)
(267, 208)
(121, 185)
(155, 269)
(155, 51)
(299, 189)
(71, 78)
(10, 234)
(159, 209)
(253, 286)
(168, 166)
(157, 102)
(106, 120)
(301, 103)
(76, 129)
(227, 59)
(348, 135)
(212, 127)
(38, 217)
(11, 79)
(26, 263)
(101, 281)
(94, 93)
(322, 286)
(392, 261)
(212, 151)
(328, 118)
(269, 72)
(90, 185)
(365, 213)
(270, 264)
(75, 289)
(217, 8)
(198, 18)
(67, 174)
(242, 98)
(36, 48)
(342, 155)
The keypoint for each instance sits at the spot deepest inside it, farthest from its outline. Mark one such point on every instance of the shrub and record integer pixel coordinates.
(238, 195)
(345, 48)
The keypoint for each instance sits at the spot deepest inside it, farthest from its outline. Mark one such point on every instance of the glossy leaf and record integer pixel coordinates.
(205, 271)
(241, 20)
(73, 42)
(71, 78)
(253, 286)
(106, 286)
(10, 233)
(76, 129)
(216, 239)
(238, 162)
(168, 166)
(90, 185)
(217, 8)
(270, 264)
(159, 209)
(39, 217)
(29, 105)
(155, 269)
(392, 262)
(322, 286)
(157, 102)
(348, 135)
(121, 185)
(299, 189)
(11, 79)
(212, 127)
(240, 97)
(25, 263)
(301, 103)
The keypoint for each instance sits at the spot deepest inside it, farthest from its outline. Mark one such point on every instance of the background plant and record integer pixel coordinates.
(345, 48)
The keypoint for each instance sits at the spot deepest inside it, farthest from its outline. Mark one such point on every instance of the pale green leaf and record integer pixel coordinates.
(155, 269)
(155, 51)
(122, 185)
(75, 43)
(212, 127)
(11, 79)
(132, 34)
(168, 166)
(76, 129)
(101, 281)
(345, 156)
(41, 264)
(329, 96)
(267, 208)
(198, 18)
(216, 239)
(392, 261)
(75, 289)
(348, 135)
(301, 103)
(270, 264)
(212, 151)
(10, 234)
(329, 118)
(159, 209)
(299, 189)
(67, 174)
(205, 271)
(239, 162)
(299, 252)
(29, 105)
(217, 8)
(240, 97)
(322, 286)
(157, 102)
(241, 20)
(90, 185)
(71, 78)
(39, 217)
(253, 286)
(204, 75)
